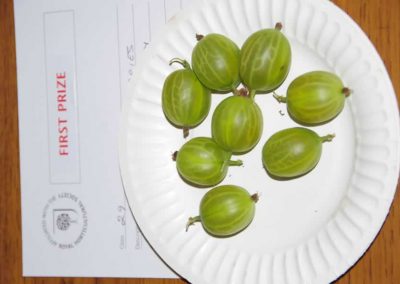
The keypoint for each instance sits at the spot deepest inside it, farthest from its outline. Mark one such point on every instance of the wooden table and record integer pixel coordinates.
(380, 264)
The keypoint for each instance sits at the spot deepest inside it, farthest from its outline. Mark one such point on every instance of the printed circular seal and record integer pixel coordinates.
(64, 220)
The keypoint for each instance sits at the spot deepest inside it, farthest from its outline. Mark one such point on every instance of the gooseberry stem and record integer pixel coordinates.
(252, 94)
(191, 221)
(199, 37)
(280, 99)
(235, 163)
(278, 26)
(243, 92)
(174, 155)
(182, 62)
(327, 138)
(346, 91)
(185, 132)
(255, 197)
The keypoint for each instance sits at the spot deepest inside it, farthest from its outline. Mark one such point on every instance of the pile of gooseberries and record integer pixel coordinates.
(261, 65)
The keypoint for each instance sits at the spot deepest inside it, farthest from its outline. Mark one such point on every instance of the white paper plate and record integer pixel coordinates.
(306, 230)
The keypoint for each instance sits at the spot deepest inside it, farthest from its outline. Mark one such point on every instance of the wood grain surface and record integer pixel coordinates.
(381, 263)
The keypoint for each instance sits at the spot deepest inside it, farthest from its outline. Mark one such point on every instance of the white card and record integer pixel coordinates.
(75, 60)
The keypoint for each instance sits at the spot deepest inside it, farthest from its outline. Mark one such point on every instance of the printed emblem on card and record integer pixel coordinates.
(64, 220)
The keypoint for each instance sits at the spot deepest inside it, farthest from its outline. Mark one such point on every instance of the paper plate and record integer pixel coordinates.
(306, 230)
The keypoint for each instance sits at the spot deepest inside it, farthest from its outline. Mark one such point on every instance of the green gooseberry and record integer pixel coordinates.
(265, 60)
(225, 210)
(293, 152)
(315, 97)
(237, 124)
(202, 162)
(215, 60)
(185, 101)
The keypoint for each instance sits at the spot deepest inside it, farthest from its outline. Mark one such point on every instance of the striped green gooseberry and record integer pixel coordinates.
(293, 152)
(237, 124)
(185, 101)
(315, 97)
(215, 60)
(225, 210)
(265, 60)
(202, 162)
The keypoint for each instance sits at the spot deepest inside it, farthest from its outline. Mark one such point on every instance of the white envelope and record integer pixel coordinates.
(75, 60)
